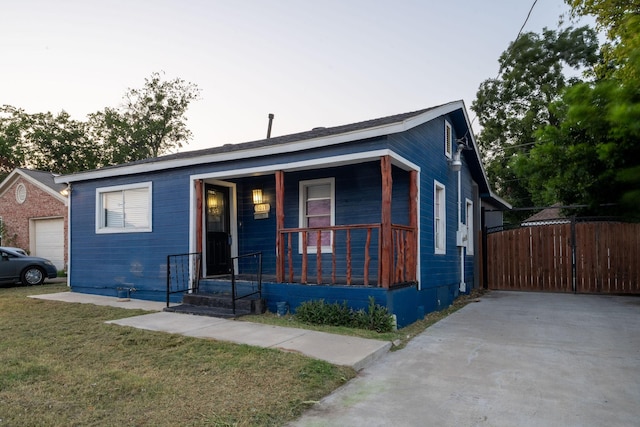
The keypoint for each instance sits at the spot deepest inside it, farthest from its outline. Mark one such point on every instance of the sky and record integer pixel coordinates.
(310, 63)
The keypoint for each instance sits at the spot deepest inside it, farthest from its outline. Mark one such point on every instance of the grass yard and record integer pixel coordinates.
(61, 365)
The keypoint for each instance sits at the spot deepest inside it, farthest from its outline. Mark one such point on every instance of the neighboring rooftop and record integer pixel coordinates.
(45, 178)
(550, 215)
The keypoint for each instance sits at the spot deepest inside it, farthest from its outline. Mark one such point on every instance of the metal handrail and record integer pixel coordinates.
(234, 296)
(184, 272)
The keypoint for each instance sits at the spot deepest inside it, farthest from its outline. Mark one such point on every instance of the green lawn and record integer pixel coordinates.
(61, 365)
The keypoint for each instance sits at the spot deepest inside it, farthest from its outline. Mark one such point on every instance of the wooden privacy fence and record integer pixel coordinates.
(581, 257)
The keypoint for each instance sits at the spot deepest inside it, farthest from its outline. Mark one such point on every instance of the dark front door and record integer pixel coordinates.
(218, 230)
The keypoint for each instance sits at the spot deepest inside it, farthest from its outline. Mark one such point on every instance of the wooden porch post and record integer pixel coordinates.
(412, 248)
(386, 253)
(280, 255)
(198, 189)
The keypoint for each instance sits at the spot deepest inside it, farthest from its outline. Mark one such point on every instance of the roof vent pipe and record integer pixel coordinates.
(270, 123)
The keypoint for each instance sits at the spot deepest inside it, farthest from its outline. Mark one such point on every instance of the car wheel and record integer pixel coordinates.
(32, 276)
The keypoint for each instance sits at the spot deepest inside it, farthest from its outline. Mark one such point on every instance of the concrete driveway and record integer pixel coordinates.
(512, 359)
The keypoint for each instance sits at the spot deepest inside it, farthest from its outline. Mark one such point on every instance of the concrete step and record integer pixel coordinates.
(224, 301)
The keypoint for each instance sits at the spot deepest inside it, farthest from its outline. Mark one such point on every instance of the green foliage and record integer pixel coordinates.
(592, 155)
(11, 151)
(319, 312)
(376, 318)
(151, 122)
(514, 106)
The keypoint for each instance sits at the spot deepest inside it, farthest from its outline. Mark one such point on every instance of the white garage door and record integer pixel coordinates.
(49, 240)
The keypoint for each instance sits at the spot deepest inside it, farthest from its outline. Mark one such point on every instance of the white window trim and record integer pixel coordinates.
(448, 140)
(99, 210)
(302, 210)
(440, 250)
(469, 218)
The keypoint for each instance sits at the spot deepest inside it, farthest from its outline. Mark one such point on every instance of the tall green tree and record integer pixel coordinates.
(592, 156)
(58, 143)
(152, 120)
(534, 70)
(11, 150)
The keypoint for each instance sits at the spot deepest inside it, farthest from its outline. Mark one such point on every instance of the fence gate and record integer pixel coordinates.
(581, 257)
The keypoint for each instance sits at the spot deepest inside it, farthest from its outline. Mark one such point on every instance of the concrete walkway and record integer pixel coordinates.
(512, 359)
(336, 349)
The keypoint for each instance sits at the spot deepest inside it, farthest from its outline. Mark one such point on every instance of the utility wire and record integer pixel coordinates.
(525, 21)
(514, 42)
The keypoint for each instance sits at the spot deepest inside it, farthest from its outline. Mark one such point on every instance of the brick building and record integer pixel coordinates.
(33, 215)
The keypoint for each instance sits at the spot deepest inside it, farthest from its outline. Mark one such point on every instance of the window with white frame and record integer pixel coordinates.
(469, 220)
(448, 140)
(124, 208)
(317, 209)
(439, 218)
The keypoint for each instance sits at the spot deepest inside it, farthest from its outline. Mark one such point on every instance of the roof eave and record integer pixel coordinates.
(497, 201)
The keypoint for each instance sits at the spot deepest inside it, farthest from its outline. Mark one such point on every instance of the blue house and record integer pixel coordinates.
(389, 208)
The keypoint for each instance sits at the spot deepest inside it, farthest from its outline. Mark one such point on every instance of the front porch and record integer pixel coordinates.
(396, 244)
(339, 233)
(361, 231)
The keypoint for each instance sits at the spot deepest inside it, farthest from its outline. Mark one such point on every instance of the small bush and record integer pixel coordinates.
(376, 318)
(319, 312)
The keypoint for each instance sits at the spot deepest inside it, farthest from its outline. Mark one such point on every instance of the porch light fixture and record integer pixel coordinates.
(212, 203)
(257, 196)
(260, 209)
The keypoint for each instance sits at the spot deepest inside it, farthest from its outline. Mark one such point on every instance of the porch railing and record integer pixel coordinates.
(252, 267)
(183, 273)
(305, 247)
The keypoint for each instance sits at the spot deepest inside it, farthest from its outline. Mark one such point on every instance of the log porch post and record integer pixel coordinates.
(386, 253)
(280, 255)
(412, 249)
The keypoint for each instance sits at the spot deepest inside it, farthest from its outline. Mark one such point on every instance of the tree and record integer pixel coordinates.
(514, 106)
(11, 150)
(151, 121)
(620, 20)
(58, 144)
(592, 156)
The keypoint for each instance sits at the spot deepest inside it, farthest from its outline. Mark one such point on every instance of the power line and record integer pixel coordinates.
(526, 20)
(514, 42)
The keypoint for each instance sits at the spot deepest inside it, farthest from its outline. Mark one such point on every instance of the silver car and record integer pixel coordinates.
(17, 267)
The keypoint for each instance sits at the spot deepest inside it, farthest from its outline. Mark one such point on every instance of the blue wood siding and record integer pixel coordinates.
(101, 263)
(424, 145)
(257, 235)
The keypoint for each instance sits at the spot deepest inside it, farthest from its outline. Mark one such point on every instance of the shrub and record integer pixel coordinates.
(376, 318)
(319, 312)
